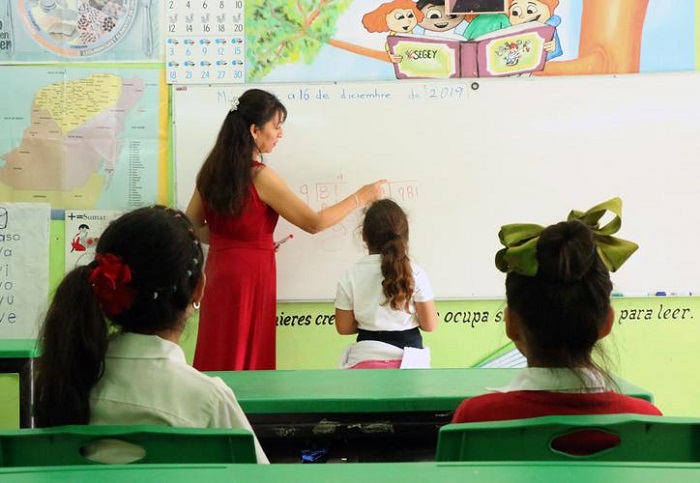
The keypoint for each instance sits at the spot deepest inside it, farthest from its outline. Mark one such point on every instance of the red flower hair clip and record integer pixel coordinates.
(110, 283)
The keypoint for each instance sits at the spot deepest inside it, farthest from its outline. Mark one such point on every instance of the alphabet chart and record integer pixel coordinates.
(205, 42)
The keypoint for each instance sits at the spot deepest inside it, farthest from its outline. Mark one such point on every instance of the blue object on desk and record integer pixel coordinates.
(314, 456)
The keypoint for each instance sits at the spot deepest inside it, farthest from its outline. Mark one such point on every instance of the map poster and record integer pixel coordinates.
(83, 230)
(24, 267)
(82, 138)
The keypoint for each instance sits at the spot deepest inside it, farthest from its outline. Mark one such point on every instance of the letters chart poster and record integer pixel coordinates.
(24, 267)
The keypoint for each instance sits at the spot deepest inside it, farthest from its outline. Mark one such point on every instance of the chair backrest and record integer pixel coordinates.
(76, 445)
(625, 437)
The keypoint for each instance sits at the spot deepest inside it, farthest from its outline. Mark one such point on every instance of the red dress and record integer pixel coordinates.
(237, 317)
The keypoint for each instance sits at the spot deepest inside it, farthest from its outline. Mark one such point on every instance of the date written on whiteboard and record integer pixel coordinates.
(440, 92)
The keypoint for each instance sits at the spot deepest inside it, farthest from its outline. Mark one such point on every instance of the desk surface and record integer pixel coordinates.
(369, 390)
(18, 348)
(562, 472)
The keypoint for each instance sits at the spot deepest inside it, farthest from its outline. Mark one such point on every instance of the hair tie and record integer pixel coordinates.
(520, 240)
(234, 104)
(109, 280)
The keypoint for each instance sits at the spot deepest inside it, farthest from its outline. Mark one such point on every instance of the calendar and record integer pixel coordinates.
(205, 41)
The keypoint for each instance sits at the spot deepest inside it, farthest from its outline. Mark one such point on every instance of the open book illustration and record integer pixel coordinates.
(510, 51)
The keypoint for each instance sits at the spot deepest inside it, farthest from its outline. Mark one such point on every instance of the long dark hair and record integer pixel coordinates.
(225, 177)
(164, 257)
(565, 305)
(385, 230)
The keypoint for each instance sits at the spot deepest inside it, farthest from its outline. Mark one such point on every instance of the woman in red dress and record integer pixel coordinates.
(234, 208)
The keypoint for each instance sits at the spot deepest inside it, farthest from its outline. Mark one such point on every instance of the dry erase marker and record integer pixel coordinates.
(284, 240)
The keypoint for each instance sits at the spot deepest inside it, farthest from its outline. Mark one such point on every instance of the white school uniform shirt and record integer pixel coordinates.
(147, 381)
(557, 379)
(360, 290)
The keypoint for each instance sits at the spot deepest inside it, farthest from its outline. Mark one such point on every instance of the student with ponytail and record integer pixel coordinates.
(385, 298)
(109, 340)
(558, 307)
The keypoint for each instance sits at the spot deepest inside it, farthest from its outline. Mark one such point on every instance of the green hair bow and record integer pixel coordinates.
(520, 240)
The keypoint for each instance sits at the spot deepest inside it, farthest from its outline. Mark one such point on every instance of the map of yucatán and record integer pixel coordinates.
(89, 142)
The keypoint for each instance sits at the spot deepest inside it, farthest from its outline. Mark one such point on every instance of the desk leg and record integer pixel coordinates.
(26, 394)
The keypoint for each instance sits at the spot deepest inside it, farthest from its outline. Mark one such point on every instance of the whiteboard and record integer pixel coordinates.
(464, 158)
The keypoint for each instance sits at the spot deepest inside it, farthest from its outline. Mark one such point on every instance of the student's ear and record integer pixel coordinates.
(512, 321)
(607, 327)
(254, 131)
(199, 289)
(514, 330)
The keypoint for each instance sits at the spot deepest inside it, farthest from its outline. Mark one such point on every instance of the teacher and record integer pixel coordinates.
(235, 207)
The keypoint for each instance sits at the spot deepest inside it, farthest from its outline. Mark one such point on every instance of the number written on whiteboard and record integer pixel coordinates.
(456, 91)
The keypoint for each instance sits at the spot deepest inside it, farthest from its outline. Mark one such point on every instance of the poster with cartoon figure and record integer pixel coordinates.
(347, 40)
(83, 229)
(24, 267)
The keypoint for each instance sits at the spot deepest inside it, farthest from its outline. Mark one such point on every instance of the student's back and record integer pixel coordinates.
(385, 298)
(110, 352)
(558, 306)
(147, 381)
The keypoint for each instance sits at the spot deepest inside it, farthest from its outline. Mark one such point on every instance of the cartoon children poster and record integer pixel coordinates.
(591, 37)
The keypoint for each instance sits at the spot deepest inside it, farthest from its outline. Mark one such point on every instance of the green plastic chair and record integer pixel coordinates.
(637, 438)
(71, 445)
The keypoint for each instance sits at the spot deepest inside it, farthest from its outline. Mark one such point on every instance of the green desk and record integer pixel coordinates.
(17, 356)
(560, 472)
(359, 414)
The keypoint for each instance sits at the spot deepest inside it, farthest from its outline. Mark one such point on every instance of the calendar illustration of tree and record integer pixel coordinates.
(292, 31)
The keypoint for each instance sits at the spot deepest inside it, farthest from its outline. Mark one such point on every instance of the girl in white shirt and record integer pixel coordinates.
(110, 352)
(385, 298)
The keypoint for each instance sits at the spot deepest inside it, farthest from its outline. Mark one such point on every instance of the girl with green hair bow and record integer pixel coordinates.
(558, 307)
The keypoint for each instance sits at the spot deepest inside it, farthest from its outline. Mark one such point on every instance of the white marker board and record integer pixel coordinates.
(464, 158)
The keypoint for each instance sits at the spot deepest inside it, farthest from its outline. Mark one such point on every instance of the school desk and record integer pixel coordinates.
(361, 415)
(17, 356)
(488, 472)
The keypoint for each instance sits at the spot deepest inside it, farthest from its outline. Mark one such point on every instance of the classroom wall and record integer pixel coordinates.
(653, 340)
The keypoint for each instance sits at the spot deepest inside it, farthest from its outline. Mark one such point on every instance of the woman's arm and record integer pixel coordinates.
(427, 315)
(345, 322)
(275, 193)
(195, 212)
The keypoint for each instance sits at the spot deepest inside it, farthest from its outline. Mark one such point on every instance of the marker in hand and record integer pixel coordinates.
(283, 240)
